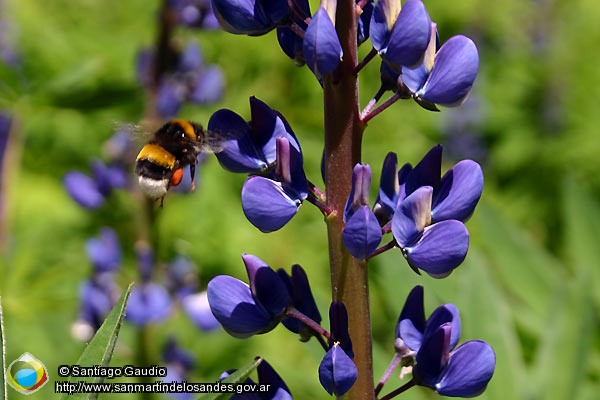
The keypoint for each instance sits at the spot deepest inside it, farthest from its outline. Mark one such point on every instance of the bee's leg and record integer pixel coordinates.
(162, 200)
(192, 174)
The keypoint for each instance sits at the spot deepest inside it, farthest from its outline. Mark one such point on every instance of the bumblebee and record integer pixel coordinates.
(160, 163)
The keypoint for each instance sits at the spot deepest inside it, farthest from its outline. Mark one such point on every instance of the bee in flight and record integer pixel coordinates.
(160, 163)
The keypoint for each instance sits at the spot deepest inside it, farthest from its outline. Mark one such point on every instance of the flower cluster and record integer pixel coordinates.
(272, 297)
(429, 345)
(267, 149)
(188, 79)
(402, 34)
(426, 213)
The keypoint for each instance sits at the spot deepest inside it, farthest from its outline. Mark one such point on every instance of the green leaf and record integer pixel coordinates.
(100, 349)
(565, 348)
(237, 377)
(486, 314)
(582, 229)
(524, 268)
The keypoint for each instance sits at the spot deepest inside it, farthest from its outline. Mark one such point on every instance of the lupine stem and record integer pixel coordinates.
(343, 135)
(312, 324)
(400, 390)
(388, 372)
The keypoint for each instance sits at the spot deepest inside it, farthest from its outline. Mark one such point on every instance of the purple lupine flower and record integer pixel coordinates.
(208, 86)
(91, 192)
(245, 310)
(250, 147)
(148, 302)
(289, 41)
(412, 326)
(250, 17)
(267, 377)
(182, 282)
(446, 75)
(104, 251)
(198, 310)
(170, 98)
(97, 296)
(455, 194)
(321, 47)
(435, 248)
(270, 202)
(362, 233)
(337, 371)
(302, 299)
(400, 34)
(461, 372)
(427, 211)
(195, 13)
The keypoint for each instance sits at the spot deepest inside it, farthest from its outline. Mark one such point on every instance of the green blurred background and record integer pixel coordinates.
(531, 282)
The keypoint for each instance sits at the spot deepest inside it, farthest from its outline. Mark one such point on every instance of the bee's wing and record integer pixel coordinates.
(215, 142)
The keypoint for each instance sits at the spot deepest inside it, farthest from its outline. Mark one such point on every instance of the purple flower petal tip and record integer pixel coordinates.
(321, 46)
(148, 303)
(442, 247)
(459, 192)
(83, 190)
(454, 71)
(266, 204)
(362, 233)
(233, 305)
(337, 371)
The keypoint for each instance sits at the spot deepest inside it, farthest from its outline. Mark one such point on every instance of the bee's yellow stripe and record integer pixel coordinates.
(187, 127)
(157, 155)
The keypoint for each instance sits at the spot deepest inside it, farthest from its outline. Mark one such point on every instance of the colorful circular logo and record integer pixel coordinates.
(26, 374)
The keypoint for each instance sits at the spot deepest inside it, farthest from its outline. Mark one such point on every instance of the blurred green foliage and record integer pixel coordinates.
(530, 285)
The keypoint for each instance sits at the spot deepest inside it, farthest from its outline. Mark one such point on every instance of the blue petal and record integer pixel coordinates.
(277, 389)
(104, 251)
(170, 98)
(250, 17)
(453, 73)
(469, 370)
(198, 310)
(427, 172)
(238, 152)
(459, 192)
(266, 205)
(385, 14)
(388, 189)
(411, 323)
(359, 192)
(442, 248)
(321, 46)
(271, 291)
(148, 303)
(412, 215)
(191, 57)
(337, 372)
(410, 35)
(432, 357)
(362, 233)
(83, 190)
(232, 303)
(208, 86)
(442, 315)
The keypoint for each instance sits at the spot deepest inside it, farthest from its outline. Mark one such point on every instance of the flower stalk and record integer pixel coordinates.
(343, 135)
